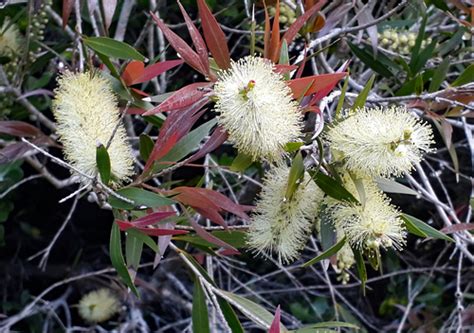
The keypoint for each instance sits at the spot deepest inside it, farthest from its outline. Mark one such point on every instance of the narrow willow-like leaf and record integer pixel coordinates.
(200, 314)
(103, 163)
(113, 48)
(362, 97)
(415, 225)
(116, 257)
(332, 188)
(326, 254)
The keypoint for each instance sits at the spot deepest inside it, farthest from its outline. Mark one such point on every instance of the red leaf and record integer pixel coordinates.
(140, 92)
(299, 73)
(457, 227)
(266, 35)
(217, 138)
(180, 46)
(209, 237)
(124, 225)
(224, 202)
(151, 218)
(133, 71)
(176, 125)
(275, 327)
(13, 152)
(154, 70)
(181, 98)
(18, 128)
(275, 38)
(315, 83)
(214, 36)
(292, 31)
(109, 10)
(198, 42)
(228, 252)
(67, 9)
(283, 69)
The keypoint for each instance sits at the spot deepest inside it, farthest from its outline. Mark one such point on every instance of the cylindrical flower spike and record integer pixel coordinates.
(380, 141)
(283, 225)
(87, 114)
(98, 306)
(373, 224)
(256, 107)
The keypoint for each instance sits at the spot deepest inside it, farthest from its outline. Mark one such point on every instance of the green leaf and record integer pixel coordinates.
(293, 146)
(332, 188)
(146, 146)
(326, 324)
(230, 316)
(295, 175)
(133, 250)
(422, 58)
(326, 232)
(250, 309)
(103, 163)
(440, 4)
(439, 75)
(362, 97)
(340, 103)
(145, 239)
(326, 254)
(116, 256)
(371, 62)
(186, 145)
(113, 48)
(284, 57)
(454, 41)
(415, 225)
(140, 197)
(106, 61)
(236, 238)
(466, 77)
(241, 162)
(419, 40)
(391, 186)
(200, 315)
(360, 264)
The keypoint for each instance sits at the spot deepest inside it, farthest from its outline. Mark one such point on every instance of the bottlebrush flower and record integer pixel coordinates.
(283, 225)
(381, 141)
(256, 107)
(373, 223)
(10, 39)
(87, 114)
(98, 306)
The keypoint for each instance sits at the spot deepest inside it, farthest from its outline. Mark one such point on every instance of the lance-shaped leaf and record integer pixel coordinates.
(124, 225)
(200, 314)
(198, 42)
(292, 31)
(132, 71)
(275, 326)
(208, 203)
(182, 98)
(214, 36)
(116, 257)
(275, 35)
(103, 163)
(19, 128)
(332, 188)
(217, 138)
(140, 197)
(151, 219)
(66, 12)
(311, 84)
(136, 72)
(420, 228)
(209, 237)
(326, 254)
(184, 50)
(113, 48)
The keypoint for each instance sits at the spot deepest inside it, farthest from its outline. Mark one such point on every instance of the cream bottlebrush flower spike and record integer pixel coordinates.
(280, 225)
(381, 141)
(373, 223)
(10, 39)
(98, 306)
(87, 114)
(256, 107)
